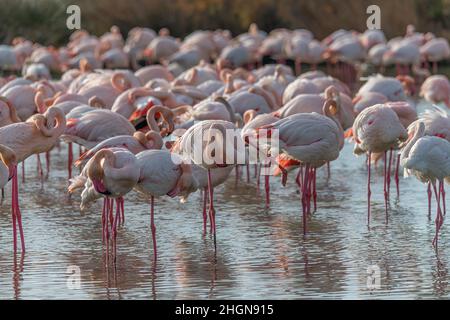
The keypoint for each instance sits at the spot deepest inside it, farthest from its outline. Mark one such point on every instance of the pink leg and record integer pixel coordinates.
(308, 192)
(114, 229)
(258, 179)
(267, 187)
(47, 159)
(248, 172)
(70, 160)
(397, 181)
(152, 226)
(304, 197)
(429, 200)
(328, 171)
(299, 177)
(122, 207)
(314, 189)
(39, 166)
(205, 199)
(443, 198)
(23, 171)
(369, 192)
(111, 208)
(438, 216)
(385, 185)
(17, 209)
(389, 173)
(13, 213)
(212, 212)
(104, 220)
(107, 229)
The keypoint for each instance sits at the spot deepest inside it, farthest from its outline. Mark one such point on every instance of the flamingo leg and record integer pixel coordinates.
(397, 181)
(328, 171)
(39, 166)
(23, 171)
(104, 220)
(443, 198)
(47, 161)
(212, 212)
(429, 199)
(114, 228)
(369, 192)
(107, 228)
(385, 185)
(13, 214)
(389, 173)
(441, 216)
(205, 199)
(438, 216)
(70, 159)
(258, 178)
(304, 197)
(314, 192)
(111, 208)
(248, 172)
(122, 207)
(308, 189)
(299, 177)
(267, 188)
(17, 212)
(153, 227)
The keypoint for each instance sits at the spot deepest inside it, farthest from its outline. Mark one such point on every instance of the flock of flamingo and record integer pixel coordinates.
(135, 105)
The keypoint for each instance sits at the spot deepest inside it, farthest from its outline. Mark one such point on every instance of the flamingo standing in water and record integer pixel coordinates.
(377, 129)
(163, 173)
(437, 123)
(112, 173)
(310, 140)
(428, 159)
(211, 152)
(36, 135)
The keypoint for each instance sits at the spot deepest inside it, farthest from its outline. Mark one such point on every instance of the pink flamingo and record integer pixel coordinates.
(214, 152)
(375, 130)
(163, 173)
(36, 135)
(428, 159)
(436, 123)
(112, 173)
(310, 140)
(436, 89)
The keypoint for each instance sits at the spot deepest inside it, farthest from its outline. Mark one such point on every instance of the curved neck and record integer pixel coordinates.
(417, 135)
(228, 107)
(166, 114)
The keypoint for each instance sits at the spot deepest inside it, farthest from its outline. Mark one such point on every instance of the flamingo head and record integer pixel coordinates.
(95, 171)
(9, 158)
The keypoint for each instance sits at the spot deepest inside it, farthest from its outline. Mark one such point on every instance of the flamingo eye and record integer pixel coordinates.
(370, 122)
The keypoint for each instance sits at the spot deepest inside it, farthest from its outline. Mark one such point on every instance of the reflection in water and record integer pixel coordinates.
(261, 253)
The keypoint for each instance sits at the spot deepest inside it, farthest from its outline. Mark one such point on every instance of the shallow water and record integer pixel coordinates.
(260, 253)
